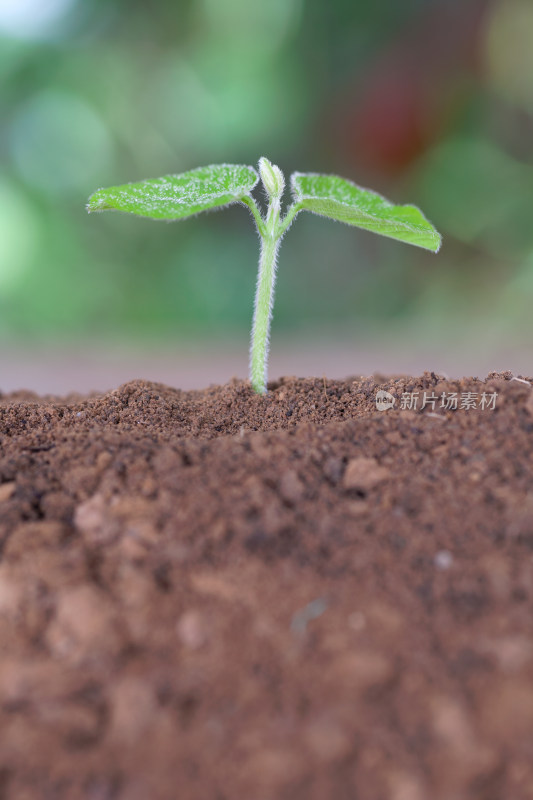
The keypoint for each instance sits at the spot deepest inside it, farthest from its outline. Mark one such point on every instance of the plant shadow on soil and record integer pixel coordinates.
(220, 595)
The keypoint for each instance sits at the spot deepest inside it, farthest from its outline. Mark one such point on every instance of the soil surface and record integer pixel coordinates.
(298, 596)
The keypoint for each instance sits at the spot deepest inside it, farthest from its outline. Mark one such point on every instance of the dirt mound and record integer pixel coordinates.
(223, 596)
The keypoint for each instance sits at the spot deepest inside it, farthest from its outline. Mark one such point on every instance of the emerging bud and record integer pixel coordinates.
(272, 178)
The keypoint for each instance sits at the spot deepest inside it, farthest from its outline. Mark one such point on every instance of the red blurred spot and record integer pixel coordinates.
(414, 89)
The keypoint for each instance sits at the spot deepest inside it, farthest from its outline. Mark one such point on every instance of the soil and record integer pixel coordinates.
(223, 596)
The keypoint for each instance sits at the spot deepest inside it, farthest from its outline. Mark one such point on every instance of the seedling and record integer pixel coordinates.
(219, 185)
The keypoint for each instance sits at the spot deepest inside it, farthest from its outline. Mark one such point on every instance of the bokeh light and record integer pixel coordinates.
(32, 19)
(509, 50)
(18, 236)
(59, 144)
(251, 27)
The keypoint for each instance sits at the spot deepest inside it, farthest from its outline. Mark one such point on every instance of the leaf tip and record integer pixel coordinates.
(437, 241)
(96, 203)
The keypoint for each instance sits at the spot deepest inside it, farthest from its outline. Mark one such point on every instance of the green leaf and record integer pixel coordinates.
(179, 196)
(342, 200)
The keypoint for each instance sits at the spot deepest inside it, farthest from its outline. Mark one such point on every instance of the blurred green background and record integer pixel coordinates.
(427, 101)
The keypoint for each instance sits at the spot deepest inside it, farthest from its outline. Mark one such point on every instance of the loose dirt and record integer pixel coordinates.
(223, 596)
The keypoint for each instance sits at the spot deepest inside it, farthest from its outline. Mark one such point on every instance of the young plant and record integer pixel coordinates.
(219, 185)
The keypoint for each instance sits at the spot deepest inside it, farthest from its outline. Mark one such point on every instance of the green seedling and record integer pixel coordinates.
(179, 196)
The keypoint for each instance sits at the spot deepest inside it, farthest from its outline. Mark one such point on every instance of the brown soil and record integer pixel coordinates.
(217, 595)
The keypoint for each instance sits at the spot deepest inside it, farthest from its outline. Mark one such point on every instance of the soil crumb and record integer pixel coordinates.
(325, 592)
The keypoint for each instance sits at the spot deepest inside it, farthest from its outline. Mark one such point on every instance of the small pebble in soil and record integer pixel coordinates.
(6, 491)
(311, 611)
(357, 621)
(443, 559)
(192, 630)
(363, 474)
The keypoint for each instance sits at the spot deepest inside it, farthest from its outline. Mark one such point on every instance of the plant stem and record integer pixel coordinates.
(271, 230)
(288, 219)
(259, 221)
(264, 298)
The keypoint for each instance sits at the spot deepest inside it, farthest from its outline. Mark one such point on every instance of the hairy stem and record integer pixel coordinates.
(271, 230)
(288, 219)
(259, 221)
(264, 299)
